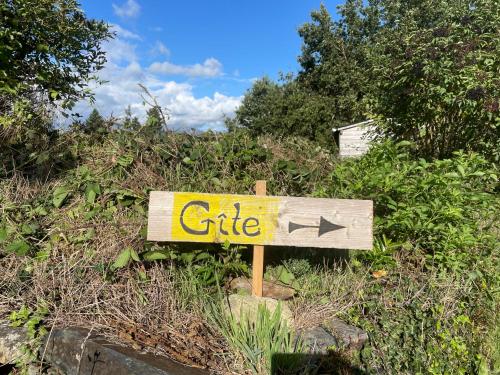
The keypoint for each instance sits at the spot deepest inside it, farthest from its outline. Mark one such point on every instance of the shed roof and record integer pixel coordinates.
(352, 125)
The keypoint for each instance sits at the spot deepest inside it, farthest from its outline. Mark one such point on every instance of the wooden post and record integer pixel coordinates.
(258, 252)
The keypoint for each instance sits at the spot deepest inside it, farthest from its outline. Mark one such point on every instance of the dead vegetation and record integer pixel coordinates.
(151, 306)
(63, 232)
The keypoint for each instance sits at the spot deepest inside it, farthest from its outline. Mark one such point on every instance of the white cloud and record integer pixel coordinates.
(211, 67)
(123, 73)
(124, 33)
(119, 51)
(160, 49)
(130, 9)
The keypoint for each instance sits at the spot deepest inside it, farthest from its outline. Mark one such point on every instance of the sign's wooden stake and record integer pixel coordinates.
(258, 252)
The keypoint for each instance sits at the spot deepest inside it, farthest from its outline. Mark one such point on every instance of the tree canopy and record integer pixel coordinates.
(438, 77)
(427, 70)
(49, 48)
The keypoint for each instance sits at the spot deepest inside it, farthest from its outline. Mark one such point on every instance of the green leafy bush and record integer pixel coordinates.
(437, 78)
(425, 323)
(442, 208)
(436, 243)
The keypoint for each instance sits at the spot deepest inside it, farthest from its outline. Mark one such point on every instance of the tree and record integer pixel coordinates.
(328, 91)
(95, 123)
(283, 110)
(155, 124)
(438, 75)
(130, 122)
(428, 70)
(157, 117)
(258, 109)
(334, 64)
(49, 50)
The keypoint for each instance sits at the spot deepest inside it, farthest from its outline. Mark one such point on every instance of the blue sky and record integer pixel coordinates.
(197, 57)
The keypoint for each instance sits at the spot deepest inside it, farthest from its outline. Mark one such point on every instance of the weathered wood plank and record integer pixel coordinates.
(269, 220)
(258, 251)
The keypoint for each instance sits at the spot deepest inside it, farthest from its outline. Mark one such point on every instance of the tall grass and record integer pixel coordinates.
(256, 342)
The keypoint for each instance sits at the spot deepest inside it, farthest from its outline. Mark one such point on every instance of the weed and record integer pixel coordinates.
(426, 294)
(257, 341)
(35, 332)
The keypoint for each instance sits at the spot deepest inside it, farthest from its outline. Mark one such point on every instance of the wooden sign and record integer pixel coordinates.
(260, 220)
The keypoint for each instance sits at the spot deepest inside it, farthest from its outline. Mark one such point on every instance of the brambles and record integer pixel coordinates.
(74, 202)
(433, 261)
(444, 209)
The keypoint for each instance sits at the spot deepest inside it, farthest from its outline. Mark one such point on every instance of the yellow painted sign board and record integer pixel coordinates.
(219, 217)
(260, 220)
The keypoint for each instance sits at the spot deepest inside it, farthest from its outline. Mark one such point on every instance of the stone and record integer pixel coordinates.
(269, 289)
(76, 351)
(317, 340)
(237, 304)
(347, 336)
(11, 342)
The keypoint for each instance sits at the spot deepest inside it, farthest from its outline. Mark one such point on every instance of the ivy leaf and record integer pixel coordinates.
(92, 191)
(155, 255)
(3, 234)
(133, 255)
(122, 259)
(59, 196)
(19, 247)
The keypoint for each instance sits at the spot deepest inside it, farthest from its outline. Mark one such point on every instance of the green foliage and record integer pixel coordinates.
(428, 325)
(124, 258)
(281, 274)
(258, 341)
(49, 52)
(210, 267)
(428, 71)
(435, 227)
(130, 122)
(59, 196)
(328, 91)
(49, 47)
(438, 77)
(444, 208)
(283, 109)
(333, 62)
(35, 332)
(18, 247)
(94, 124)
(154, 122)
(298, 267)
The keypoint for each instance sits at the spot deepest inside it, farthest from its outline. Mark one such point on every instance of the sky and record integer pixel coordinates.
(198, 58)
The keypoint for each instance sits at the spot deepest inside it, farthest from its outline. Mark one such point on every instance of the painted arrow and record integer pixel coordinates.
(324, 226)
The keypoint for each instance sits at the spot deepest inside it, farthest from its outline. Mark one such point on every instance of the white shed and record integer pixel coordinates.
(352, 140)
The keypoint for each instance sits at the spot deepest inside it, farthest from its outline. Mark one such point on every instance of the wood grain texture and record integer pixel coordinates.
(258, 252)
(355, 216)
(355, 141)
